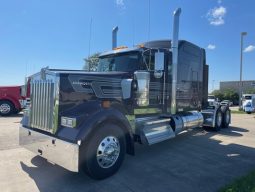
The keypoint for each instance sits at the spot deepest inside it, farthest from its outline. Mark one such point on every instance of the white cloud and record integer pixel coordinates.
(249, 48)
(216, 15)
(211, 46)
(120, 4)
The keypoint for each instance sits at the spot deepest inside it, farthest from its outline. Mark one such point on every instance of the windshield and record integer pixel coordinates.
(247, 97)
(125, 62)
(211, 97)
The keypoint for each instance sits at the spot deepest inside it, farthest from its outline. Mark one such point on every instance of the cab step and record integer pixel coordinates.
(155, 131)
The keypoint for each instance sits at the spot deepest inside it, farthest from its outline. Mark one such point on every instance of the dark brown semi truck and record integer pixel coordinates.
(145, 94)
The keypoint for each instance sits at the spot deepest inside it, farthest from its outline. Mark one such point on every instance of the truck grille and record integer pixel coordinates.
(43, 105)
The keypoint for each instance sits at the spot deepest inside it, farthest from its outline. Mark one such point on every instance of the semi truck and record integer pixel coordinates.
(212, 100)
(12, 101)
(88, 121)
(248, 102)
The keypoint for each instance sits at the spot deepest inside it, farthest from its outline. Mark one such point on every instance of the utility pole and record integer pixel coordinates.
(241, 71)
(213, 85)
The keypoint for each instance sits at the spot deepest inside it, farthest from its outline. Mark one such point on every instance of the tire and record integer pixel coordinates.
(110, 139)
(226, 116)
(218, 120)
(6, 108)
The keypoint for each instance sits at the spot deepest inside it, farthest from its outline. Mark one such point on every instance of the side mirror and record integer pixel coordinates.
(159, 64)
(159, 61)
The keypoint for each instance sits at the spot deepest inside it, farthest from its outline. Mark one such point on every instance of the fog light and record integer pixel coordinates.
(68, 122)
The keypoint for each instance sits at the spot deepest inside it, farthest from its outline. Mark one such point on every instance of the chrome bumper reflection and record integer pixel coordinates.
(60, 152)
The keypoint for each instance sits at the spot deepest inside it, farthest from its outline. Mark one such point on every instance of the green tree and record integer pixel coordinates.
(91, 62)
(218, 94)
(250, 91)
(231, 94)
(227, 94)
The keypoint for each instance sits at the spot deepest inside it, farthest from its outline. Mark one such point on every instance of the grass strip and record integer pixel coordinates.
(243, 184)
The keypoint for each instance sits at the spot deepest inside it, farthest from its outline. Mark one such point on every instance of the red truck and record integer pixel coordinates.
(12, 99)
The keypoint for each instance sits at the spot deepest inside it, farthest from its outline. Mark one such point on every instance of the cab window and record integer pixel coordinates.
(124, 62)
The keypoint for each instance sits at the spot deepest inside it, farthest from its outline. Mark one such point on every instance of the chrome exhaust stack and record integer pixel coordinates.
(174, 47)
(114, 37)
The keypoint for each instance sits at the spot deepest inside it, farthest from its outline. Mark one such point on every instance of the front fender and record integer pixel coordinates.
(109, 115)
(14, 101)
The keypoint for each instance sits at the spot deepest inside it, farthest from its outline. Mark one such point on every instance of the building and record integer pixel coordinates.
(246, 85)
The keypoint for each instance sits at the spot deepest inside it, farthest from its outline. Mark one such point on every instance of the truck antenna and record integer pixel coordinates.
(149, 20)
(90, 26)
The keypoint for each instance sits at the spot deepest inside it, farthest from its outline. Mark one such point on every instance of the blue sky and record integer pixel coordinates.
(55, 33)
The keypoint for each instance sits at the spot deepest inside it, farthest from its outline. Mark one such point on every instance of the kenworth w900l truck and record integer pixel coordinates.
(146, 94)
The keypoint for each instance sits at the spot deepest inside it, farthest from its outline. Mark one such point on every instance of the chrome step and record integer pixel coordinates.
(156, 131)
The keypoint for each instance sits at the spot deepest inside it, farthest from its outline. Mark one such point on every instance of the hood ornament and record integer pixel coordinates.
(43, 72)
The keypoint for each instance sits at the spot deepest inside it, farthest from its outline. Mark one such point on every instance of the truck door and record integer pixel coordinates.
(156, 85)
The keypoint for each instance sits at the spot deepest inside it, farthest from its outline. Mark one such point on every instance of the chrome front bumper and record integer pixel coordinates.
(60, 152)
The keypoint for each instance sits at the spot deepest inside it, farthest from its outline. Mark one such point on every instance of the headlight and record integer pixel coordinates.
(68, 122)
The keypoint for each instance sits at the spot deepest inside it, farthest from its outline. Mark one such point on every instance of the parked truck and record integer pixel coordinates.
(248, 103)
(212, 100)
(146, 94)
(11, 100)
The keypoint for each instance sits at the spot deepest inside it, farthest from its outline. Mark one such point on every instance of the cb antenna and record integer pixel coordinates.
(90, 26)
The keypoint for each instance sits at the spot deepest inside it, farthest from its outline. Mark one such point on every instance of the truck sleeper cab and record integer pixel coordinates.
(127, 98)
(89, 120)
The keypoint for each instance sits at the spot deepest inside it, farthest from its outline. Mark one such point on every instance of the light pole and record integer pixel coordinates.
(241, 70)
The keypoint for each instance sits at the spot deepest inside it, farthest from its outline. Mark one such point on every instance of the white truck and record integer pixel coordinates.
(248, 102)
(212, 100)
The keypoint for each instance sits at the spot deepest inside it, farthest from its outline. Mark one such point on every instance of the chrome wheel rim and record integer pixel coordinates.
(108, 151)
(219, 119)
(227, 118)
(5, 108)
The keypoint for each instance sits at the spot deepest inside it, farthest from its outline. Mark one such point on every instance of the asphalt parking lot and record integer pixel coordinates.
(197, 160)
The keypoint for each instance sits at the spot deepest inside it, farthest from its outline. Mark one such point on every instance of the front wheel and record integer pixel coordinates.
(6, 108)
(104, 152)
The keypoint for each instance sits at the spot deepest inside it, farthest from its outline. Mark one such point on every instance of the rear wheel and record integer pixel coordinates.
(218, 120)
(104, 153)
(226, 117)
(6, 108)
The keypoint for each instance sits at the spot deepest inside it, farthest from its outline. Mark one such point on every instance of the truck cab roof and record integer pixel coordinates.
(155, 44)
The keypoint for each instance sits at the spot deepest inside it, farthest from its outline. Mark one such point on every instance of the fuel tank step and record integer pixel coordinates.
(155, 131)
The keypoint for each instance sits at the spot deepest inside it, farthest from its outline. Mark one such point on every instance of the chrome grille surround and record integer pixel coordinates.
(44, 98)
